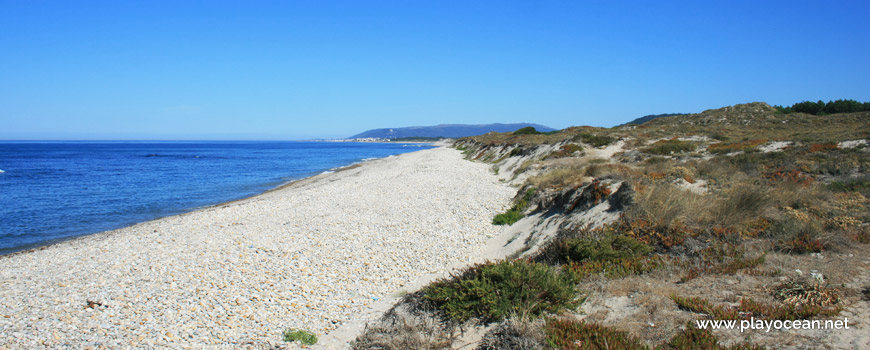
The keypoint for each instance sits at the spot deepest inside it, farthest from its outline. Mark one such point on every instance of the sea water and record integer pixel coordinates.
(51, 191)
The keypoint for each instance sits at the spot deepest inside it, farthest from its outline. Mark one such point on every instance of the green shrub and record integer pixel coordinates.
(596, 140)
(515, 213)
(529, 130)
(858, 185)
(302, 336)
(492, 291)
(608, 247)
(508, 218)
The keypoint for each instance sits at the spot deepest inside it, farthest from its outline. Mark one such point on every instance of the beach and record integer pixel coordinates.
(315, 255)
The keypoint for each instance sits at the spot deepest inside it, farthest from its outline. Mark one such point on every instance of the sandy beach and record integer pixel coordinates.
(313, 255)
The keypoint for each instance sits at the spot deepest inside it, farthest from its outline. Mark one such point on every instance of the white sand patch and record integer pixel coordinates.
(774, 146)
(852, 144)
(699, 186)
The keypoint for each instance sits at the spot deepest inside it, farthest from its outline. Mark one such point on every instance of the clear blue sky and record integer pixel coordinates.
(294, 70)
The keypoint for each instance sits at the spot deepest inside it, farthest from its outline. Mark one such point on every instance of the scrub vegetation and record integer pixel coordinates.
(748, 211)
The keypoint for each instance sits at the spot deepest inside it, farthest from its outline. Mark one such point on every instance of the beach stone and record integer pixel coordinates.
(311, 255)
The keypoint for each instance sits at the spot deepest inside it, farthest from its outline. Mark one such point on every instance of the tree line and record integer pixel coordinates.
(821, 108)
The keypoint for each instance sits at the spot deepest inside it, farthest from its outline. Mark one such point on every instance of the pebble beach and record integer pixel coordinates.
(312, 255)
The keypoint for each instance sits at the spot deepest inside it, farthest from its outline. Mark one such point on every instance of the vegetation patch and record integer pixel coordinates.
(794, 176)
(595, 140)
(611, 255)
(668, 147)
(857, 185)
(571, 334)
(801, 244)
(730, 147)
(721, 259)
(609, 247)
(516, 212)
(693, 338)
(617, 268)
(529, 130)
(565, 151)
(665, 237)
(492, 291)
(749, 308)
(302, 336)
(799, 294)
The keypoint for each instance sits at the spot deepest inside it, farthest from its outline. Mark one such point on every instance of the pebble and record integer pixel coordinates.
(312, 255)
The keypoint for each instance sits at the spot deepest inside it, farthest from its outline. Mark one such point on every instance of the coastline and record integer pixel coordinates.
(316, 275)
(42, 245)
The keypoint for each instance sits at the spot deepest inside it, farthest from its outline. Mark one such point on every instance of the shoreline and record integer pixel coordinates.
(315, 253)
(42, 245)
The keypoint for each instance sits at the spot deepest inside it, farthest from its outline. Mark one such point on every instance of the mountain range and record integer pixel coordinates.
(446, 130)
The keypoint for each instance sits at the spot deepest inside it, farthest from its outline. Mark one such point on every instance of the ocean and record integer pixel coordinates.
(51, 191)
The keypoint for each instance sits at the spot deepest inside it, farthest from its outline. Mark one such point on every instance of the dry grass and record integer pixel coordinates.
(664, 204)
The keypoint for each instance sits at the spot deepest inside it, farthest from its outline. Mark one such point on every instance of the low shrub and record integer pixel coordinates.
(595, 140)
(571, 334)
(608, 247)
(516, 212)
(302, 336)
(492, 291)
(617, 268)
(693, 338)
(720, 259)
(565, 151)
(744, 146)
(796, 232)
(529, 130)
(660, 236)
(748, 308)
(801, 244)
(800, 293)
(858, 185)
(514, 334)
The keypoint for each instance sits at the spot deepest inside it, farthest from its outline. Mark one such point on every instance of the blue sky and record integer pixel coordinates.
(296, 70)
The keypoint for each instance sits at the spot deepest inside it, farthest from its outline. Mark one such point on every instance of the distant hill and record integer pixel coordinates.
(446, 130)
(647, 118)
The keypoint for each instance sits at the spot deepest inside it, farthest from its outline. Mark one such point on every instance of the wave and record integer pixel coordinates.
(176, 156)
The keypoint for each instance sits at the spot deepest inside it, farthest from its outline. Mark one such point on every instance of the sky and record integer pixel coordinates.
(288, 70)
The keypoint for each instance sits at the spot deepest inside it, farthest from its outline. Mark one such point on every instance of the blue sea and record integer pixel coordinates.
(51, 191)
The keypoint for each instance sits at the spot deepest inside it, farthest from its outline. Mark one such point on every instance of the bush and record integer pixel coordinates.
(609, 247)
(302, 336)
(515, 213)
(492, 291)
(596, 140)
(529, 130)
